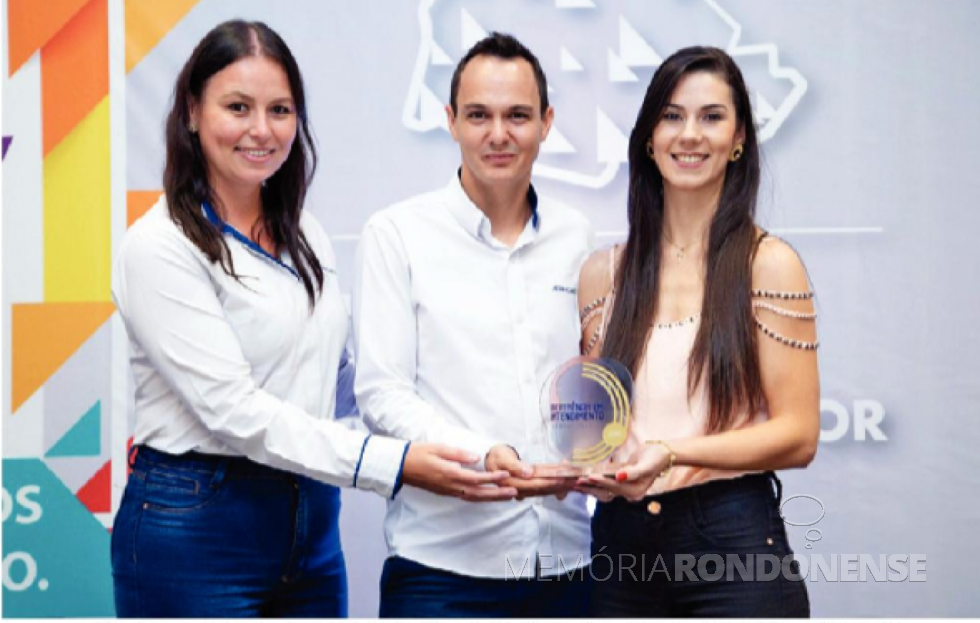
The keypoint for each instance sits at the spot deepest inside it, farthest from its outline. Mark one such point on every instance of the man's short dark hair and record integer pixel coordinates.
(504, 46)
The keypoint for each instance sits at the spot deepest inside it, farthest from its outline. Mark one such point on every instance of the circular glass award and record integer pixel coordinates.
(586, 405)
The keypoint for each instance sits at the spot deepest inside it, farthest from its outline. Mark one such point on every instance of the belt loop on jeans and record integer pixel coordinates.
(219, 473)
(779, 487)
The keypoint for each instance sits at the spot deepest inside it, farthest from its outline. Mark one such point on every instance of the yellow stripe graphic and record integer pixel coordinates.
(77, 207)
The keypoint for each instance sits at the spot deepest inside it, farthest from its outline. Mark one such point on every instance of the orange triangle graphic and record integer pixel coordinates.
(138, 202)
(74, 72)
(44, 336)
(95, 494)
(31, 24)
(147, 22)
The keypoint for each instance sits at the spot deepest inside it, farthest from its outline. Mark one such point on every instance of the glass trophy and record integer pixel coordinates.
(585, 405)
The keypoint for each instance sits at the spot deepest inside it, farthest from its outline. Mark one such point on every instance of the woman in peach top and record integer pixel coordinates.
(715, 320)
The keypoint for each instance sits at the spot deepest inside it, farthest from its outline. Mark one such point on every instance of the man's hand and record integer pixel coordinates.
(521, 476)
(441, 470)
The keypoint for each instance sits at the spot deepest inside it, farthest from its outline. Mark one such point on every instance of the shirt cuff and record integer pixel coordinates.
(380, 466)
(401, 471)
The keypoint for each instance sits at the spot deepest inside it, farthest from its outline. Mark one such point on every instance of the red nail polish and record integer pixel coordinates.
(621, 477)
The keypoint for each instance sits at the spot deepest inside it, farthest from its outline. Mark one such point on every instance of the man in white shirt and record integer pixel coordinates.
(464, 303)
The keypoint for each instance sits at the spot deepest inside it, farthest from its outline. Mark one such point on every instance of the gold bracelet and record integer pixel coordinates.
(670, 454)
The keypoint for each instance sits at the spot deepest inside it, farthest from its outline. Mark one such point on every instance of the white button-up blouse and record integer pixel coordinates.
(241, 367)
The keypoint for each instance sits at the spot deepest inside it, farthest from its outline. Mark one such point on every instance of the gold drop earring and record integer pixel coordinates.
(736, 153)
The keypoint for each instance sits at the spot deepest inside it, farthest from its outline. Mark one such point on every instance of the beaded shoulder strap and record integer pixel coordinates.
(590, 311)
(598, 307)
(785, 313)
(781, 295)
(588, 347)
(782, 339)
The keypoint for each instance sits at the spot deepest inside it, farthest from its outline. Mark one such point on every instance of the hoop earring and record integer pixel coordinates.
(736, 153)
(650, 148)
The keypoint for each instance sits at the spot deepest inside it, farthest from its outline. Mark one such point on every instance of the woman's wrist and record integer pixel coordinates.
(671, 457)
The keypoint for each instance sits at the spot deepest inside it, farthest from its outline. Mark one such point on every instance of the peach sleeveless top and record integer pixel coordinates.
(662, 408)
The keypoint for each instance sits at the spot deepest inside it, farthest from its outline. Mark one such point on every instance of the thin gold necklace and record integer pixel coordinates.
(681, 249)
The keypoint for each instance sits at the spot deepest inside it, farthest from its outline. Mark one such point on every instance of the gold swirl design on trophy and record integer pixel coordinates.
(614, 434)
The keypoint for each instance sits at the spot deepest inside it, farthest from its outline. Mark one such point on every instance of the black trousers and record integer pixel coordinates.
(713, 550)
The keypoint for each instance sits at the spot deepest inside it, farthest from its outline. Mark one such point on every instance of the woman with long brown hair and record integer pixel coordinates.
(715, 320)
(237, 330)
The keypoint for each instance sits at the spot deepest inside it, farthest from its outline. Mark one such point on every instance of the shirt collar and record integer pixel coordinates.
(473, 220)
(225, 228)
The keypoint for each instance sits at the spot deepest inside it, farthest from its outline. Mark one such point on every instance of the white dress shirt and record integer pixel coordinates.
(455, 334)
(241, 368)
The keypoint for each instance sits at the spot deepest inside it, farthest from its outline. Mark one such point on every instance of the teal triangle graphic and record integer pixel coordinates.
(56, 553)
(82, 439)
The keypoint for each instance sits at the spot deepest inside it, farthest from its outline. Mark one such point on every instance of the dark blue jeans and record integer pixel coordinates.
(713, 550)
(206, 536)
(411, 590)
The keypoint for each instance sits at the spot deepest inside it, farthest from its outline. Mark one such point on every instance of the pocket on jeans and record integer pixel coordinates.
(175, 491)
(738, 523)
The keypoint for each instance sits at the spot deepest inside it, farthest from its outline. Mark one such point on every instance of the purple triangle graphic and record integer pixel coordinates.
(7, 140)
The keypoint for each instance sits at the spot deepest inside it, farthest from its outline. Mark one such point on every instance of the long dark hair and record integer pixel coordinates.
(185, 177)
(725, 346)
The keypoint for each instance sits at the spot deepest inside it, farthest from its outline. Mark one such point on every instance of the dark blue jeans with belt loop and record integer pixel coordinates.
(202, 535)
(710, 550)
